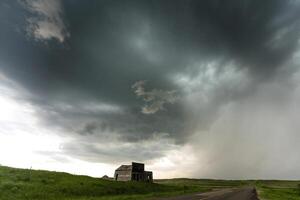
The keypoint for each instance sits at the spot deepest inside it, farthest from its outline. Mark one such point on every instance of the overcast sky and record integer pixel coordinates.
(204, 89)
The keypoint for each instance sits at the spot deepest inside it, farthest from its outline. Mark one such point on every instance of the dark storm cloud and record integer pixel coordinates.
(94, 150)
(125, 124)
(81, 79)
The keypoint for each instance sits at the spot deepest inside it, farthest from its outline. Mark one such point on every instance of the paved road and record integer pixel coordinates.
(248, 193)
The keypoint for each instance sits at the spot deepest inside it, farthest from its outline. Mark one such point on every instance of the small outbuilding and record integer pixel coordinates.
(133, 172)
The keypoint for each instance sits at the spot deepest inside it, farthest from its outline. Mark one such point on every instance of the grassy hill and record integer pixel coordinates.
(24, 184)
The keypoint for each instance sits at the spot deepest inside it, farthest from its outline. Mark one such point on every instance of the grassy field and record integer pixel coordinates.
(34, 184)
(17, 184)
(22, 184)
(278, 190)
(203, 184)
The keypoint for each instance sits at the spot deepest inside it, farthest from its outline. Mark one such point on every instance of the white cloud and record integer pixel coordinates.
(88, 107)
(176, 163)
(210, 78)
(155, 99)
(47, 22)
(23, 139)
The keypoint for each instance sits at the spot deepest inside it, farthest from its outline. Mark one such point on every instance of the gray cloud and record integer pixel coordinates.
(47, 20)
(155, 99)
(251, 136)
(216, 55)
(114, 151)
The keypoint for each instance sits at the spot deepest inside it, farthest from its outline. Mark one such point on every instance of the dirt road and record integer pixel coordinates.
(248, 193)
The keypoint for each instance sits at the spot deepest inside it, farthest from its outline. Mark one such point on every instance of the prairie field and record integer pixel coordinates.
(26, 184)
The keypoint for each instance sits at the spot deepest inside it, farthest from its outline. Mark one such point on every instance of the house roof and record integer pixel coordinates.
(124, 168)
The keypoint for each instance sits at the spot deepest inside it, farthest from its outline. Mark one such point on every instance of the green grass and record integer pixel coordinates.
(203, 184)
(19, 184)
(278, 190)
(24, 184)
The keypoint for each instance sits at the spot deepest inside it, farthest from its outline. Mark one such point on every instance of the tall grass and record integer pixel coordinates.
(19, 184)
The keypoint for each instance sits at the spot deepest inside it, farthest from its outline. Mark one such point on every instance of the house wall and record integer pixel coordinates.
(123, 175)
(138, 167)
(138, 176)
(142, 176)
(149, 176)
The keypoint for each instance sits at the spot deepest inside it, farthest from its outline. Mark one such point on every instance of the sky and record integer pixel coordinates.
(202, 89)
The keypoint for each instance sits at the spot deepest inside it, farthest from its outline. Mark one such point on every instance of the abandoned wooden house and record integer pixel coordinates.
(134, 172)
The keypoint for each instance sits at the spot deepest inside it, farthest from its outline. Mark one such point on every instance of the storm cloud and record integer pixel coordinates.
(155, 99)
(221, 77)
(47, 22)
